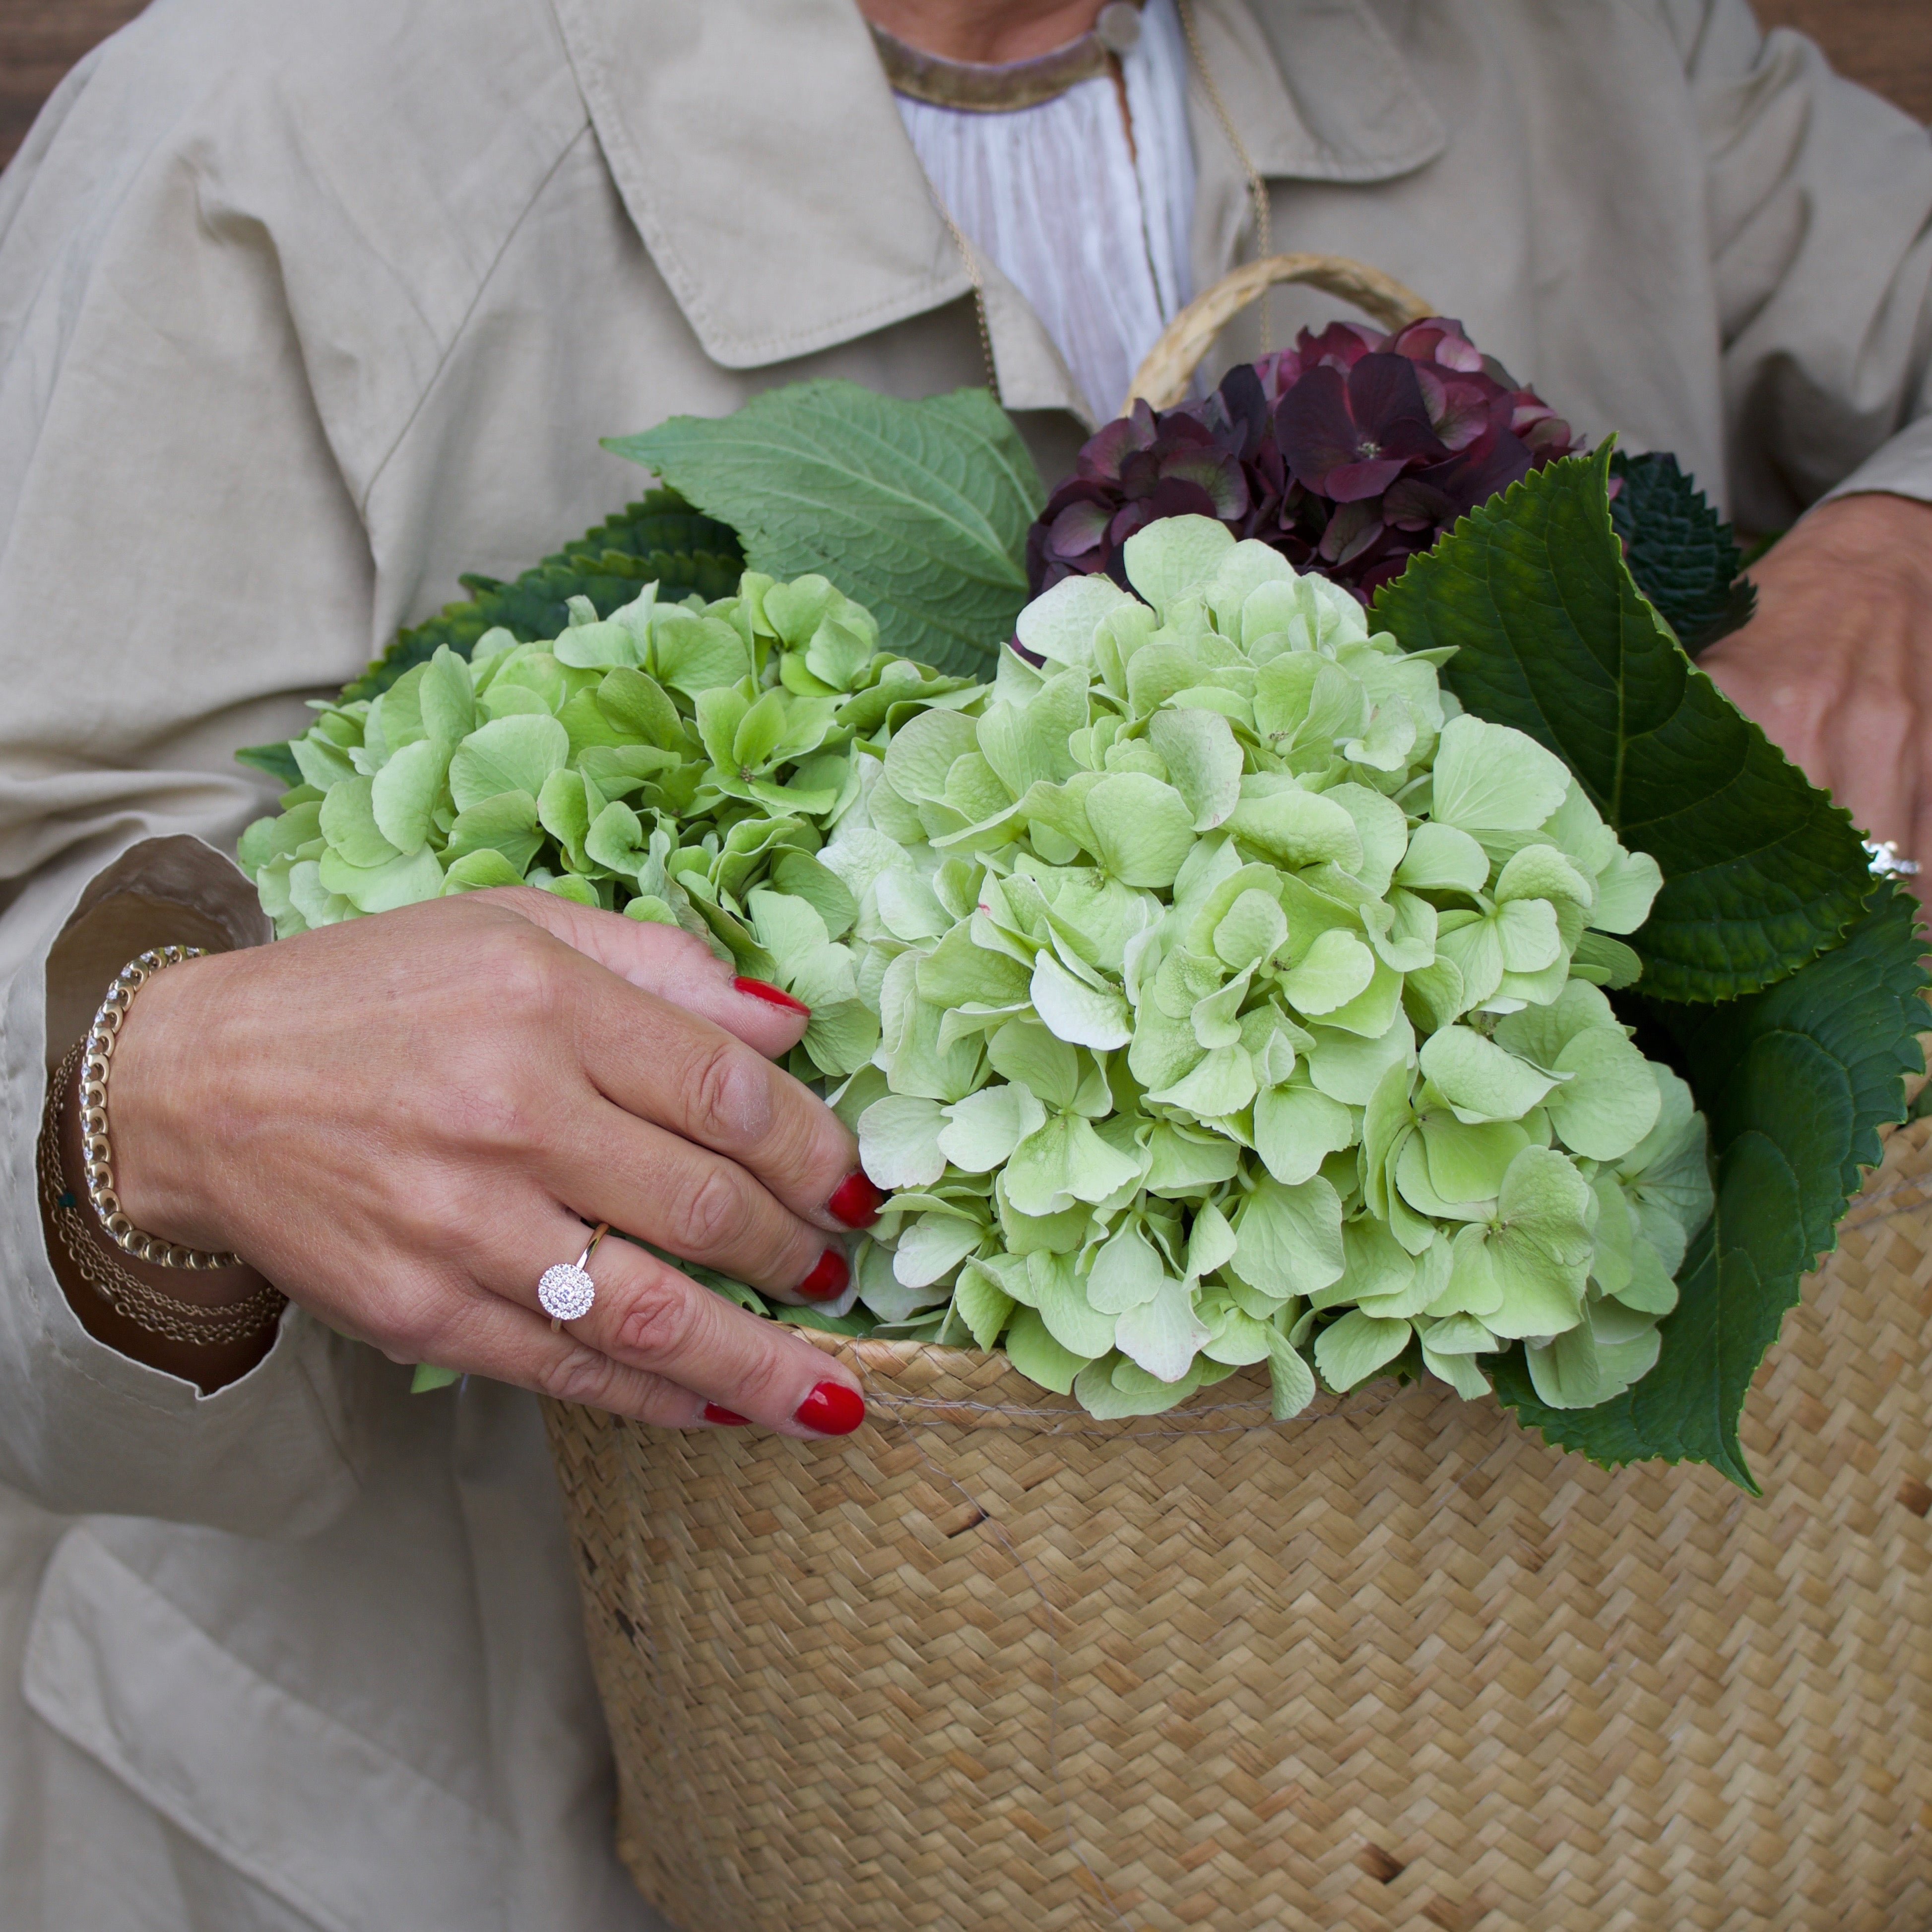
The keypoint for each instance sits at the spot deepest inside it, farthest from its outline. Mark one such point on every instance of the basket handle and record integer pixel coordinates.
(1162, 379)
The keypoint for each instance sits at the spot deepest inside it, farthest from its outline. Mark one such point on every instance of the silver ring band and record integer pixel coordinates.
(1886, 861)
(566, 1292)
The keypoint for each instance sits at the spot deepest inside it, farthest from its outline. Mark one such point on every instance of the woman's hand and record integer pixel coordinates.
(402, 1120)
(1836, 665)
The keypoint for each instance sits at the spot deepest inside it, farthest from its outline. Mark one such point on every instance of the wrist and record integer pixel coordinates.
(1873, 533)
(207, 1326)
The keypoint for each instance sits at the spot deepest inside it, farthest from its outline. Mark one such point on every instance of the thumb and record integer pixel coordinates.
(669, 962)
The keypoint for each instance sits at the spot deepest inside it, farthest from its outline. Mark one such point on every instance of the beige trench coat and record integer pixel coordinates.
(306, 305)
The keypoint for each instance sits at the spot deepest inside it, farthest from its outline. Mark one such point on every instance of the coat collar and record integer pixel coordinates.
(1316, 89)
(759, 152)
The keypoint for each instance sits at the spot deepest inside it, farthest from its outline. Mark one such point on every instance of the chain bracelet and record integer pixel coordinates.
(97, 1156)
(149, 1309)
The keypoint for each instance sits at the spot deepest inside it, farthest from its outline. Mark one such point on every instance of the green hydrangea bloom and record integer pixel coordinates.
(1207, 990)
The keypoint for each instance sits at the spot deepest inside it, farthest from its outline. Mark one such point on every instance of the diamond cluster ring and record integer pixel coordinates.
(566, 1290)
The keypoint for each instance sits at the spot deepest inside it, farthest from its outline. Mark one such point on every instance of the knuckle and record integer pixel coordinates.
(763, 1383)
(515, 966)
(730, 1101)
(580, 1375)
(491, 1071)
(712, 1216)
(466, 1232)
(660, 1319)
(487, 1110)
(808, 1150)
(419, 1322)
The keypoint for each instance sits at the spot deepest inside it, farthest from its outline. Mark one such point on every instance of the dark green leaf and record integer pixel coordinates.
(1682, 553)
(659, 539)
(277, 760)
(919, 510)
(1761, 871)
(1796, 1082)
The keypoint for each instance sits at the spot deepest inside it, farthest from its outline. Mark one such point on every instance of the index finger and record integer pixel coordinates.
(667, 961)
(686, 1075)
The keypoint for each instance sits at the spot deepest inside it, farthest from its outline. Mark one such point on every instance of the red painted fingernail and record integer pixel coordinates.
(774, 996)
(827, 1279)
(855, 1201)
(832, 1409)
(729, 1417)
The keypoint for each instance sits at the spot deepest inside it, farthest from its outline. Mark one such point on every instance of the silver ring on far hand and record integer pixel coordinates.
(1886, 861)
(566, 1292)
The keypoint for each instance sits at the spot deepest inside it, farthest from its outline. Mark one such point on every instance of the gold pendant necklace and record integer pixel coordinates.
(979, 87)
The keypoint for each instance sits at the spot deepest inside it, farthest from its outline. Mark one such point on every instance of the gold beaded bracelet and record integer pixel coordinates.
(150, 1309)
(97, 1156)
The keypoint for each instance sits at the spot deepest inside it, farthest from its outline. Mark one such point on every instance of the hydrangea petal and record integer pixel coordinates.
(1142, 830)
(404, 792)
(513, 754)
(932, 1246)
(1075, 1011)
(1289, 826)
(1440, 858)
(1491, 778)
(1162, 1334)
(899, 1141)
(1059, 624)
(981, 1131)
(1203, 761)
(1290, 1381)
(1038, 1357)
(1290, 1238)
(1297, 1128)
(1333, 971)
(1480, 1081)
(1071, 1319)
(1610, 1100)
(1176, 555)
(1351, 1350)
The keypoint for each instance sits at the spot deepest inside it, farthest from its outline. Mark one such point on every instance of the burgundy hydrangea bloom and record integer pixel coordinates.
(1349, 453)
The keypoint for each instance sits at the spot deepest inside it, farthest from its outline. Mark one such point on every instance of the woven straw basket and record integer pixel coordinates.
(991, 1665)
(988, 1665)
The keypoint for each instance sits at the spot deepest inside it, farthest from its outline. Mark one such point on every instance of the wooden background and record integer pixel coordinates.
(1885, 43)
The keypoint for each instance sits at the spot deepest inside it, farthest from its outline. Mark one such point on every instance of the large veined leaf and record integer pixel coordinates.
(1682, 553)
(919, 510)
(660, 539)
(1795, 1082)
(1761, 872)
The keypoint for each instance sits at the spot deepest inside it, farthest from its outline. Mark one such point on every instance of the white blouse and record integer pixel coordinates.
(1091, 227)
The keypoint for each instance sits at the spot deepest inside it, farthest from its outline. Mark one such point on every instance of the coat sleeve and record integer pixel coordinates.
(179, 558)
(1818, 200)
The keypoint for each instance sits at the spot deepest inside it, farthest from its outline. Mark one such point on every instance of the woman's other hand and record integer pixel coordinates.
(404, 1120)
(1836, 665)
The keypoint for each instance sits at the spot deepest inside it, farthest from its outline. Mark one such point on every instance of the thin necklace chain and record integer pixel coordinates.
(972, 275)
(1258, 195)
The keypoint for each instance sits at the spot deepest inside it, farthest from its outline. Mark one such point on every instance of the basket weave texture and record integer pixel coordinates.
(988, 1665)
